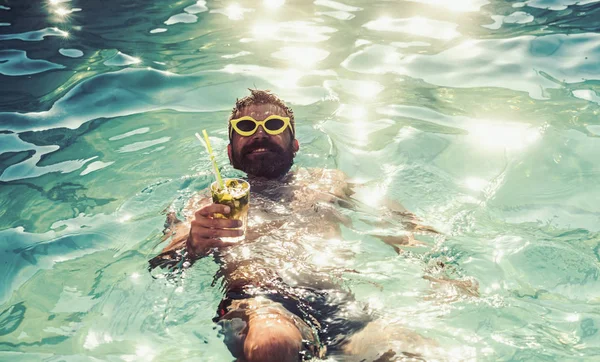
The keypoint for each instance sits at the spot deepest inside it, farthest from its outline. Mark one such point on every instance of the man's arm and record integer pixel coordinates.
(390, 215)
(384, 214)
(396, 226)
(193, 240)
(393, 224)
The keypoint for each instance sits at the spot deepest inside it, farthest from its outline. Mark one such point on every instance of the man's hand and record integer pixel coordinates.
(206, 231)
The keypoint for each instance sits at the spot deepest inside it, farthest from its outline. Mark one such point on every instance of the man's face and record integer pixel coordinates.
(262, 154)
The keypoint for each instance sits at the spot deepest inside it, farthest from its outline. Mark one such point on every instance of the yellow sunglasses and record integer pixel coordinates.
(247, 126)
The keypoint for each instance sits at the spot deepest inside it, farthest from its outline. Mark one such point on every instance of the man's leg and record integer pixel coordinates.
(272, 337)
(258, 329)
(380, 341)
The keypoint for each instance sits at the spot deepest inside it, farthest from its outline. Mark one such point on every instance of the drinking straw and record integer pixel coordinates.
(212, 157)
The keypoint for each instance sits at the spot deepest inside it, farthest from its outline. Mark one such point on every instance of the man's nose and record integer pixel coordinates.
(260, 133)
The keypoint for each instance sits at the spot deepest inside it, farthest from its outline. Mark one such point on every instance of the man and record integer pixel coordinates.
(283, 299)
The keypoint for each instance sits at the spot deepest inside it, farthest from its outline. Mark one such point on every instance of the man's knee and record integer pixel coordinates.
(272, 340)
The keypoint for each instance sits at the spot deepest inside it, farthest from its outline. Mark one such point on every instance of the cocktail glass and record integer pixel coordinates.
(236, 195)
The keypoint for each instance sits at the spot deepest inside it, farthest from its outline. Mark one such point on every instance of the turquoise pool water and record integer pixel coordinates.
(479, 116)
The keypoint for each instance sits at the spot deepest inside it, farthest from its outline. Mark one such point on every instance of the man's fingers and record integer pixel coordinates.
(208, 210)
(216, 223)
(206, 245)
(204, 233)
(225, 233)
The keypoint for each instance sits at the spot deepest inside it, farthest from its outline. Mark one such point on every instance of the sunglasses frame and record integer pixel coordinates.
(234, 122)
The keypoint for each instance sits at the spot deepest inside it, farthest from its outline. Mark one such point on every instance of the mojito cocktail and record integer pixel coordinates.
(236, 195)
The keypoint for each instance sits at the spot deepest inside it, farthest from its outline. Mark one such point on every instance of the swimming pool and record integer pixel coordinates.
(479, 116)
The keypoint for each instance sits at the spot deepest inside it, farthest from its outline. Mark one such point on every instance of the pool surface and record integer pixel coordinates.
(481, 117)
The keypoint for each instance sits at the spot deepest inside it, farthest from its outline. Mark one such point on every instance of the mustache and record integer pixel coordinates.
(261, 144)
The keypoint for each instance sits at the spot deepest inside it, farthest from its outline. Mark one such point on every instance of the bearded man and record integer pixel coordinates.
(283, 296)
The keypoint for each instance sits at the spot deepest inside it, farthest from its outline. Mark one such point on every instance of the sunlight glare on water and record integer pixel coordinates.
(478, 116)
(503, 135)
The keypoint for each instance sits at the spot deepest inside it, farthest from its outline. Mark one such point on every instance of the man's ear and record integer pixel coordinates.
(229, 152)
(296, 145)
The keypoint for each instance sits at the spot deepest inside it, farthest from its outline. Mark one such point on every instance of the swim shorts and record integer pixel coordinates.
(325, 319)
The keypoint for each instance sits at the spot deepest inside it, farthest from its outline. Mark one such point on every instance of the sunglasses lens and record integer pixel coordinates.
(274, 124)
(246, 125)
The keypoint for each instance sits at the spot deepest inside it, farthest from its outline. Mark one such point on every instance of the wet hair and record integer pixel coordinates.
(259, 96)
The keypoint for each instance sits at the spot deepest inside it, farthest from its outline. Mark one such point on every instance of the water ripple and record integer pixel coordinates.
(16, 63)
(134, 91)
(529, 64)
(36, 35)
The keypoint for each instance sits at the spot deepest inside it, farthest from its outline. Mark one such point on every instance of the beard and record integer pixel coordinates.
(272, 164)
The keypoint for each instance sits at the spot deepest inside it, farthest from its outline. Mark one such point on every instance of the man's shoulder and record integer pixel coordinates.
(324, 180)
(325, 174)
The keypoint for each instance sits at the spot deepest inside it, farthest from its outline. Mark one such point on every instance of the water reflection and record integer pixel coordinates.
(122, 60)
(518, 17)
(556, 4)
(137, 146)
(416, 26)
(188, 16)
(94, 339)
(339, 11)
(236, 55)
(142, 352)
(233, 11)
(180, 18)
(503, 135)
(198, 7)
(362, 89)
(410, 44)
(522, 66)
(456, 5)
(587, 94)
(292, 31)
(340, 15)
(95, 166)
(17, 63)
(263, 30)
(36, 35)
(358, 128)
(303, 56)
(475, 183)
(273, 4)
(282, 78)
(71, 53)
(337, 5)
(352, 111)
(63, 12)
(130, 133)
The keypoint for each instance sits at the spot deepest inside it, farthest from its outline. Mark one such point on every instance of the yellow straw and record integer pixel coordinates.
(212, 157)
